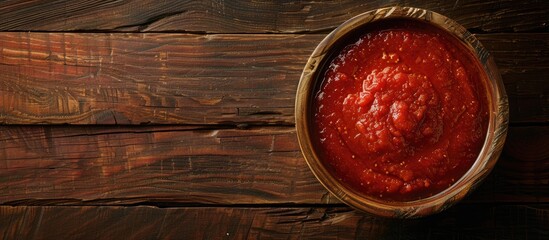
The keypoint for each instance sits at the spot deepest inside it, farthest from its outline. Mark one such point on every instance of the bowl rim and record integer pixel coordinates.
(493, 144)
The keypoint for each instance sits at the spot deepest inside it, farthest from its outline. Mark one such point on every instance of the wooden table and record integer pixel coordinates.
(174, 120)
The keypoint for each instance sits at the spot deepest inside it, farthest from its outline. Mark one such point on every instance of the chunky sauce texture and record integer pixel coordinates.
(401, 113)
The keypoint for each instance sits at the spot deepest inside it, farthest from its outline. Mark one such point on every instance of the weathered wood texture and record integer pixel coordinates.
(62, 165)
(216, 16)
(461, 222)
(159, 163)
(201, 79)
(205, 166)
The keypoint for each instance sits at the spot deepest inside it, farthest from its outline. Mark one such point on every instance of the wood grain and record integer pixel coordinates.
(172, 164)
(461, 222)
(81, 78)
(215, 80)
(61, 165)
(218, 16)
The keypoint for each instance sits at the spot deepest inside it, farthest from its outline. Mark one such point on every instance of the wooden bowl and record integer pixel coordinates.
(497, 123)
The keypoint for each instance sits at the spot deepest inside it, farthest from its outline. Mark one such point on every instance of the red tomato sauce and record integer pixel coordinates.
(402, 112)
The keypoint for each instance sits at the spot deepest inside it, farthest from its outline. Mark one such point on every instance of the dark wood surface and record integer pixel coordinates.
(134, 78)
(174, 120)
(83, 165)
(237, 16)
(482, 221)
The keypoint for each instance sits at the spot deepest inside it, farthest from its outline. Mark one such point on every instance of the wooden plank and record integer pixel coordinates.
(149, 78)
(460, 222)
(101, 165)
(178, 164)
(216, 16)
(200, 79)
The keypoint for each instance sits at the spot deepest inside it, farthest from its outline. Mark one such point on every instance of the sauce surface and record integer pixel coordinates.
(401, 113)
